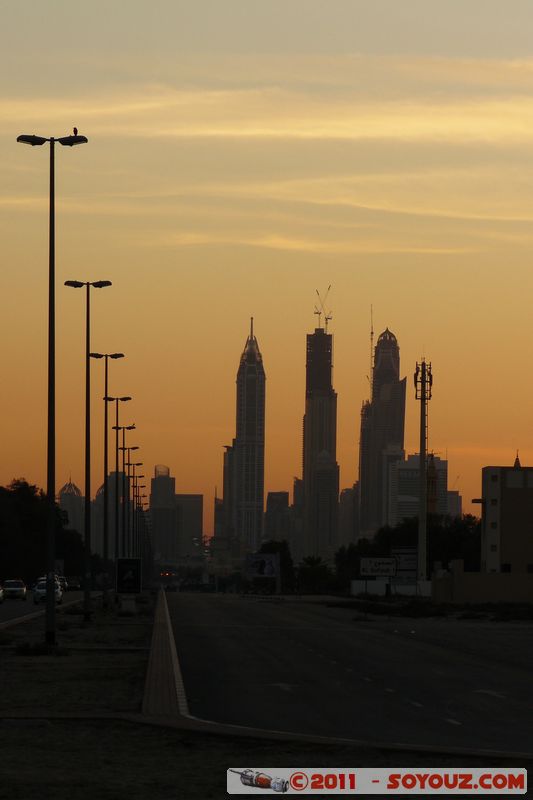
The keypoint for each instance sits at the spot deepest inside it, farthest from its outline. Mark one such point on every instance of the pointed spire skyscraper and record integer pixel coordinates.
(382, 434)
(249, 446)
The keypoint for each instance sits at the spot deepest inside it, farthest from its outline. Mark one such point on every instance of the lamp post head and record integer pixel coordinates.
(130, 427)
(116, 355)
(74, 284)
(96, 355)
(100, 284)
(31, 139)
(70, 141)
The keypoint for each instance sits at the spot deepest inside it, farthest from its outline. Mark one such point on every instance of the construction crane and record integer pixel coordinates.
(322, 310)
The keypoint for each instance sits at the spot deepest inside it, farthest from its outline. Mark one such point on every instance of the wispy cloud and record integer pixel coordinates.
(155, 111)
(288, 243)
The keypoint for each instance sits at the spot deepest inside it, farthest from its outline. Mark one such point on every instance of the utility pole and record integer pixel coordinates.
(423, 382)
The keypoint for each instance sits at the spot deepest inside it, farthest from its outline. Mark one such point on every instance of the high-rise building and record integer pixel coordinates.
(277, 517)
(241, 517)
(164, 516)
(249, 446)
(382, 434)
(404, 488)
(320, 468)
(190, 524)
(72, 503)
(176, 521)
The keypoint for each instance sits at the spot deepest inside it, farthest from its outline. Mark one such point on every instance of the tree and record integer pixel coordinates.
(314, 577)
(23, 524)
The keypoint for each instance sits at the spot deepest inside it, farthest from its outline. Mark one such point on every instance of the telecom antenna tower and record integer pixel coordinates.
(423, 386)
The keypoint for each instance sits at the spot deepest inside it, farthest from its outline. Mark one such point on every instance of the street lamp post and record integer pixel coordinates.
(140, 533)
(125, 494)
(131, 506)
(87, 509)
(50, 623)
(106, 356)
(116, 428)
(136, 512)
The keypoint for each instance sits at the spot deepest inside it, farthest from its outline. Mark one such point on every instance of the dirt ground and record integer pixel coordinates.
(112, 760)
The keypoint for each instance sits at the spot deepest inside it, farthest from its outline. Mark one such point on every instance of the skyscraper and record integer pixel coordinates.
(320, 468)
(382, 434)
(247, 459)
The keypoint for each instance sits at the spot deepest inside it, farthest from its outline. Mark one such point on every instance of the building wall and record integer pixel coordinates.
(507, 515)
(479, 587)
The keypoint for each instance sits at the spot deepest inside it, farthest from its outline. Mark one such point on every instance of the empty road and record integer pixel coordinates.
(303, 667)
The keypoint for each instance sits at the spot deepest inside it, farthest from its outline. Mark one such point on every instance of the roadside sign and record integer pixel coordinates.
(378, 567)
(406, 562)
(129, 575)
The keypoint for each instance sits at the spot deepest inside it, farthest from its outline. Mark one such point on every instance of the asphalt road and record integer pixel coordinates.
(302, 667)
(13, 609)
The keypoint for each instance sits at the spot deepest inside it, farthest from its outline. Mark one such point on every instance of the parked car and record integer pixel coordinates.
(62, 582)
(1, 593)
(74, 584)
(39, 592)
(15, 589)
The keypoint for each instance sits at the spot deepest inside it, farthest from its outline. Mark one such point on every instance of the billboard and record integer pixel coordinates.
(378, 567)
(129, 575)
(262, 565)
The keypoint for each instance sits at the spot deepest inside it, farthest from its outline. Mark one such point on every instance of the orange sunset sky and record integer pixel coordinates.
(242, 155)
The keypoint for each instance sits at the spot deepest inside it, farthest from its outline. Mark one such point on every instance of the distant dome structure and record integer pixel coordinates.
(387, 336)
(70, 489)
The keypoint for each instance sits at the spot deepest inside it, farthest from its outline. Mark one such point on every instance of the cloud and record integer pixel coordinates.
(287, 243)
(290, 111)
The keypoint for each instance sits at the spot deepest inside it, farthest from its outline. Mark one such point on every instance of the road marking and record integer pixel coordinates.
(349, 669)
(367, 679)
(389, 690)
(417, 705)
(285, 686)
(491, 693)
(332, 662)
(452, 721)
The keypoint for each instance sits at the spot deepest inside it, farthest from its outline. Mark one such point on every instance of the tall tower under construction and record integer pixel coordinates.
(320, 468)
(382, 434)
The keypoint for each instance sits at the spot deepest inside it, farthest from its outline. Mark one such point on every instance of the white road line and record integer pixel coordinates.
(491, 693)
(417, 705)
(389, 690)
(452, 721)
(367, 679)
